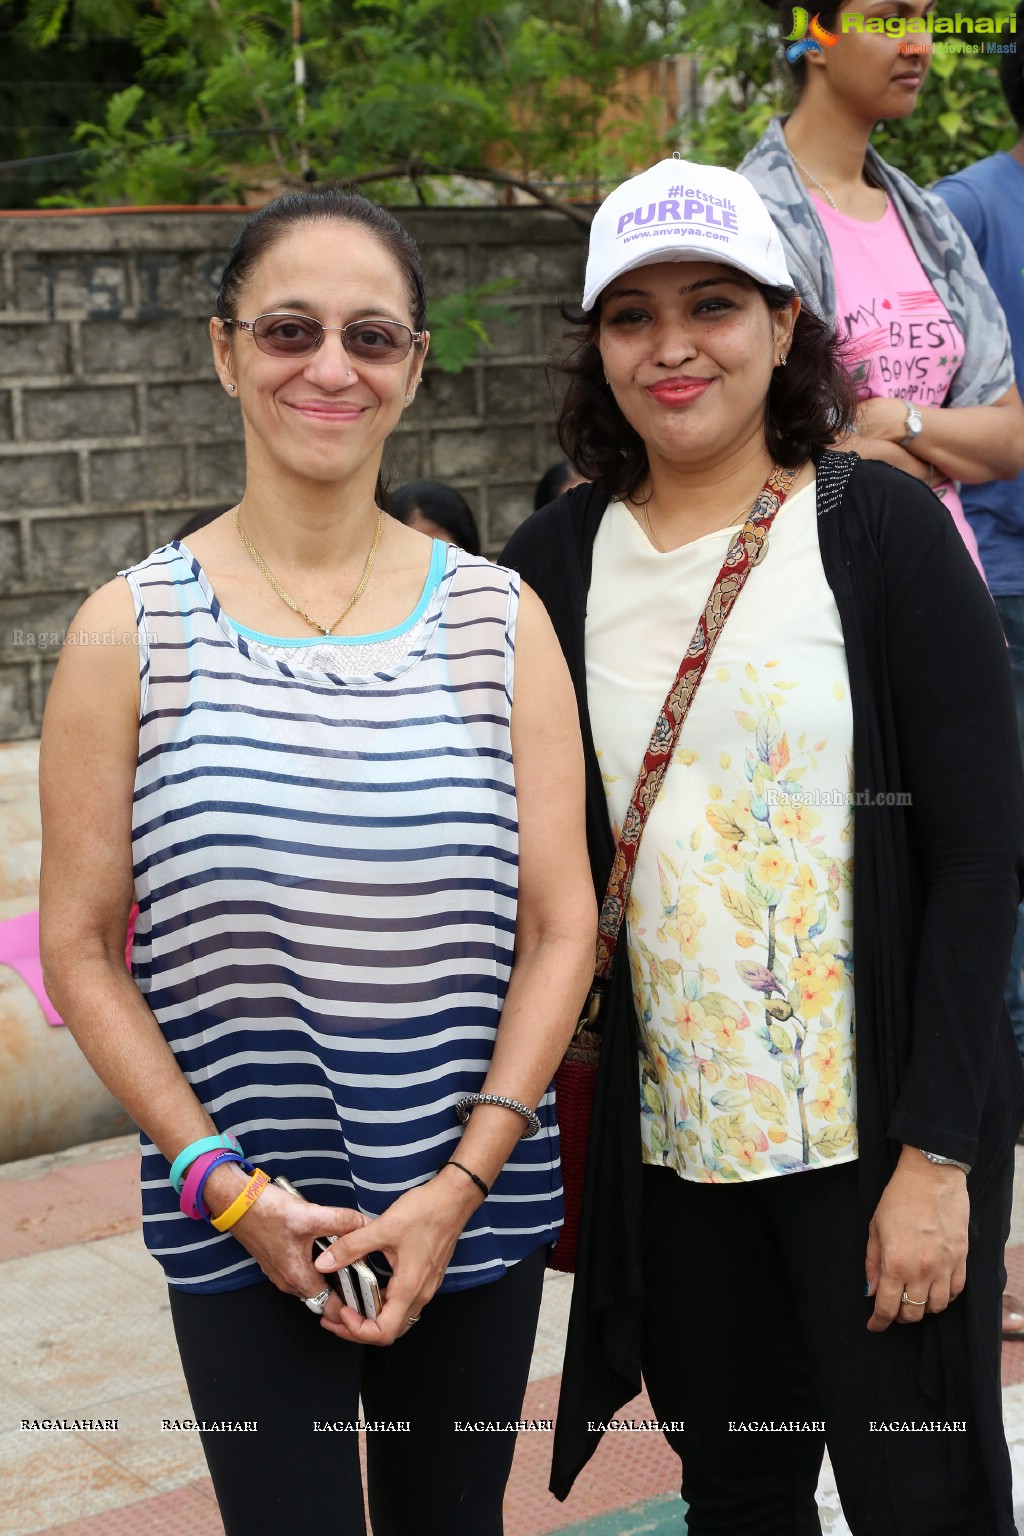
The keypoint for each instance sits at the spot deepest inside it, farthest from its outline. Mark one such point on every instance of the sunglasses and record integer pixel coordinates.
(371, 341)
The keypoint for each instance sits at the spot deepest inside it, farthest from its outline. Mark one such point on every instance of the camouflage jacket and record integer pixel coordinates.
(941, 245)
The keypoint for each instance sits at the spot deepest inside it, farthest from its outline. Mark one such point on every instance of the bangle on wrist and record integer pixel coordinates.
(237, 1209)
(470, 1100)
(944, 1162)
(201, 1211)
(477, 1180)
(187, 1156)
(196, 1177)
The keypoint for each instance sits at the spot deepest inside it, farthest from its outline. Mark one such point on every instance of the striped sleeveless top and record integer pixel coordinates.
(326, 872)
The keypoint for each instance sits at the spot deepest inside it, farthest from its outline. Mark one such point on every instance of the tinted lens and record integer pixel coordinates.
(377, 341)
(287, 335)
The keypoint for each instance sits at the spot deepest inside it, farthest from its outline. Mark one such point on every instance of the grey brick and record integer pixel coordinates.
(15, 702)
(445, 394)
(494, 450)
(219, 472)
(134, 475)
(39, 480)
(62, 415)
(156, 280)
(507, 507)
(6, 423)
(84, 550)
(26, 351)
(187, 410)
(30, 291)
(10, 553)
(404, 457)
(44, 677)
(32, 625)
(514, 337)
(200, 278)
(447, 270)
(93, 286)
(511, 391)
(146, 347)
(169, 525)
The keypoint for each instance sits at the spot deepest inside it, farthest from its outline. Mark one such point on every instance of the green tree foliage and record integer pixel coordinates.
(960, 114)
(427, 90)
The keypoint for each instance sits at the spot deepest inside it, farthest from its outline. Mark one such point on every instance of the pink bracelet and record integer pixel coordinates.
(196, 1173)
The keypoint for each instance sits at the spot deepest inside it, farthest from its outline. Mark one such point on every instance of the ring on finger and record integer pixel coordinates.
(906, 1301)
(411, 1320)
(318, 1303)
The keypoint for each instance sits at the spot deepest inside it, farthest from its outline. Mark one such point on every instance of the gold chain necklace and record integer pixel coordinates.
(650, 531)
(325, 629)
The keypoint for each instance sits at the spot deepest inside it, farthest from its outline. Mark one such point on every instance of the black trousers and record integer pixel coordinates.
(755, 1315)
(259, 1355)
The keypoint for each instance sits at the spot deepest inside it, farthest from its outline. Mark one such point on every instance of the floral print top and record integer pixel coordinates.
(740, 919)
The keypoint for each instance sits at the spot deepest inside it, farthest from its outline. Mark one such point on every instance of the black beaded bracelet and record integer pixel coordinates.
(477, 1180)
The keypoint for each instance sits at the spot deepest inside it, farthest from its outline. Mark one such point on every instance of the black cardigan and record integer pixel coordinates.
(936, 889)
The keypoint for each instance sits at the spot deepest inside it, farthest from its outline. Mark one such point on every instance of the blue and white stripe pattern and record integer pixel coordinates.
(326, 871)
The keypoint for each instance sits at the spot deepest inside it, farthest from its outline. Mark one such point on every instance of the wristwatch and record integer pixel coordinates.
(914, 425)
(945, 1162)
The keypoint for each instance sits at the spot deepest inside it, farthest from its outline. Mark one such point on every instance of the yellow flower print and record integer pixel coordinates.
(727, 1033)
(827, 1060)
(832, 1100)
(814, 995)
(831, 972)
(740, 1141)
(690, 1020)
(799, 917)
(805, 887)
(796, 821)
(772, 868)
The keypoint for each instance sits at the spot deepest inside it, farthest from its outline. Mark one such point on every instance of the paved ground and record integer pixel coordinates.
(85, 1333)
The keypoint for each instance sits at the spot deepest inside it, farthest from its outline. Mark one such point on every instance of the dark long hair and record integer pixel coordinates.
(441, 504)
(827, 14)
(810, 402)
(321, 205)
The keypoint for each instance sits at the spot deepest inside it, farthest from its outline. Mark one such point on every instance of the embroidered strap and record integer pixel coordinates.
(746, 550)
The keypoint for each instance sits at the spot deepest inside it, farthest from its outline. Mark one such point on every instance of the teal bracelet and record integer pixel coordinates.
(185, 1158)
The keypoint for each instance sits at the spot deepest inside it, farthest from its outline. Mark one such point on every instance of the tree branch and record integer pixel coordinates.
(411, 169)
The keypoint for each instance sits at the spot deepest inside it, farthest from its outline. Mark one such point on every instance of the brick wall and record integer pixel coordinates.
(114, 430)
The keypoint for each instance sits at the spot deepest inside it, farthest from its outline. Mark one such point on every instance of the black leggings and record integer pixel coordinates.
(755, 1314)
(257, 1354)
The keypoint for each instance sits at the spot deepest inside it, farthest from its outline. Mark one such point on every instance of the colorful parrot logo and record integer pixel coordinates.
(800, 43)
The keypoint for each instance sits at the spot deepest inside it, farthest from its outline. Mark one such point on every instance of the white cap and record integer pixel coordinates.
(679, 211)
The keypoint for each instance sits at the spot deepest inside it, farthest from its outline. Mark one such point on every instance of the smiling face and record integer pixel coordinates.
(323, 417)
(689, 348)
(876, 75)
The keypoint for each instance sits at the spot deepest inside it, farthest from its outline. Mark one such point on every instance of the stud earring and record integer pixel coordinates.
(231, 389)
(408, 398)
(783, 360)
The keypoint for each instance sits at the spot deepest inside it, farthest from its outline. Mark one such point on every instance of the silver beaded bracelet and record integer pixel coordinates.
(464, 1106)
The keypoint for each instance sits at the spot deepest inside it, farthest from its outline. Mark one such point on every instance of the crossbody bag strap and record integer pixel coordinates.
(746, 550)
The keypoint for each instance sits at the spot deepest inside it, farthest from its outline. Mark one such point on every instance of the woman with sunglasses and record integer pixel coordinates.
(325, 764)
(801, 1149)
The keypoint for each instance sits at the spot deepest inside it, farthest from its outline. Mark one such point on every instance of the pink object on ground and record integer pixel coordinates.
(19, 948)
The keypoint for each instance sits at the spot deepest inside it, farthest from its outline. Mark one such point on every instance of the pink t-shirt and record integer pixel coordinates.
(902, 341)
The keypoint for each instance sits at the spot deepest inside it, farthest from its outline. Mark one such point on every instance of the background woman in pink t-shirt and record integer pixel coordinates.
(884, 259)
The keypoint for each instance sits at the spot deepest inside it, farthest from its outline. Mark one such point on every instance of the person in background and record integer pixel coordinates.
(925, 338)
(560, 477)
(337, 766)
(749, 1169)
(437, 510)
(988, 200)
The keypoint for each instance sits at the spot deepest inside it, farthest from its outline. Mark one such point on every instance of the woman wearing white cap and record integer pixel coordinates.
(824, 700)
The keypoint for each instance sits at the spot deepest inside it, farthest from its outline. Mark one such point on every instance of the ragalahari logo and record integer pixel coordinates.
(800, 43)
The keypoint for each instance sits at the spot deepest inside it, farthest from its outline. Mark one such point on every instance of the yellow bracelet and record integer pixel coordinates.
(237, 1209)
